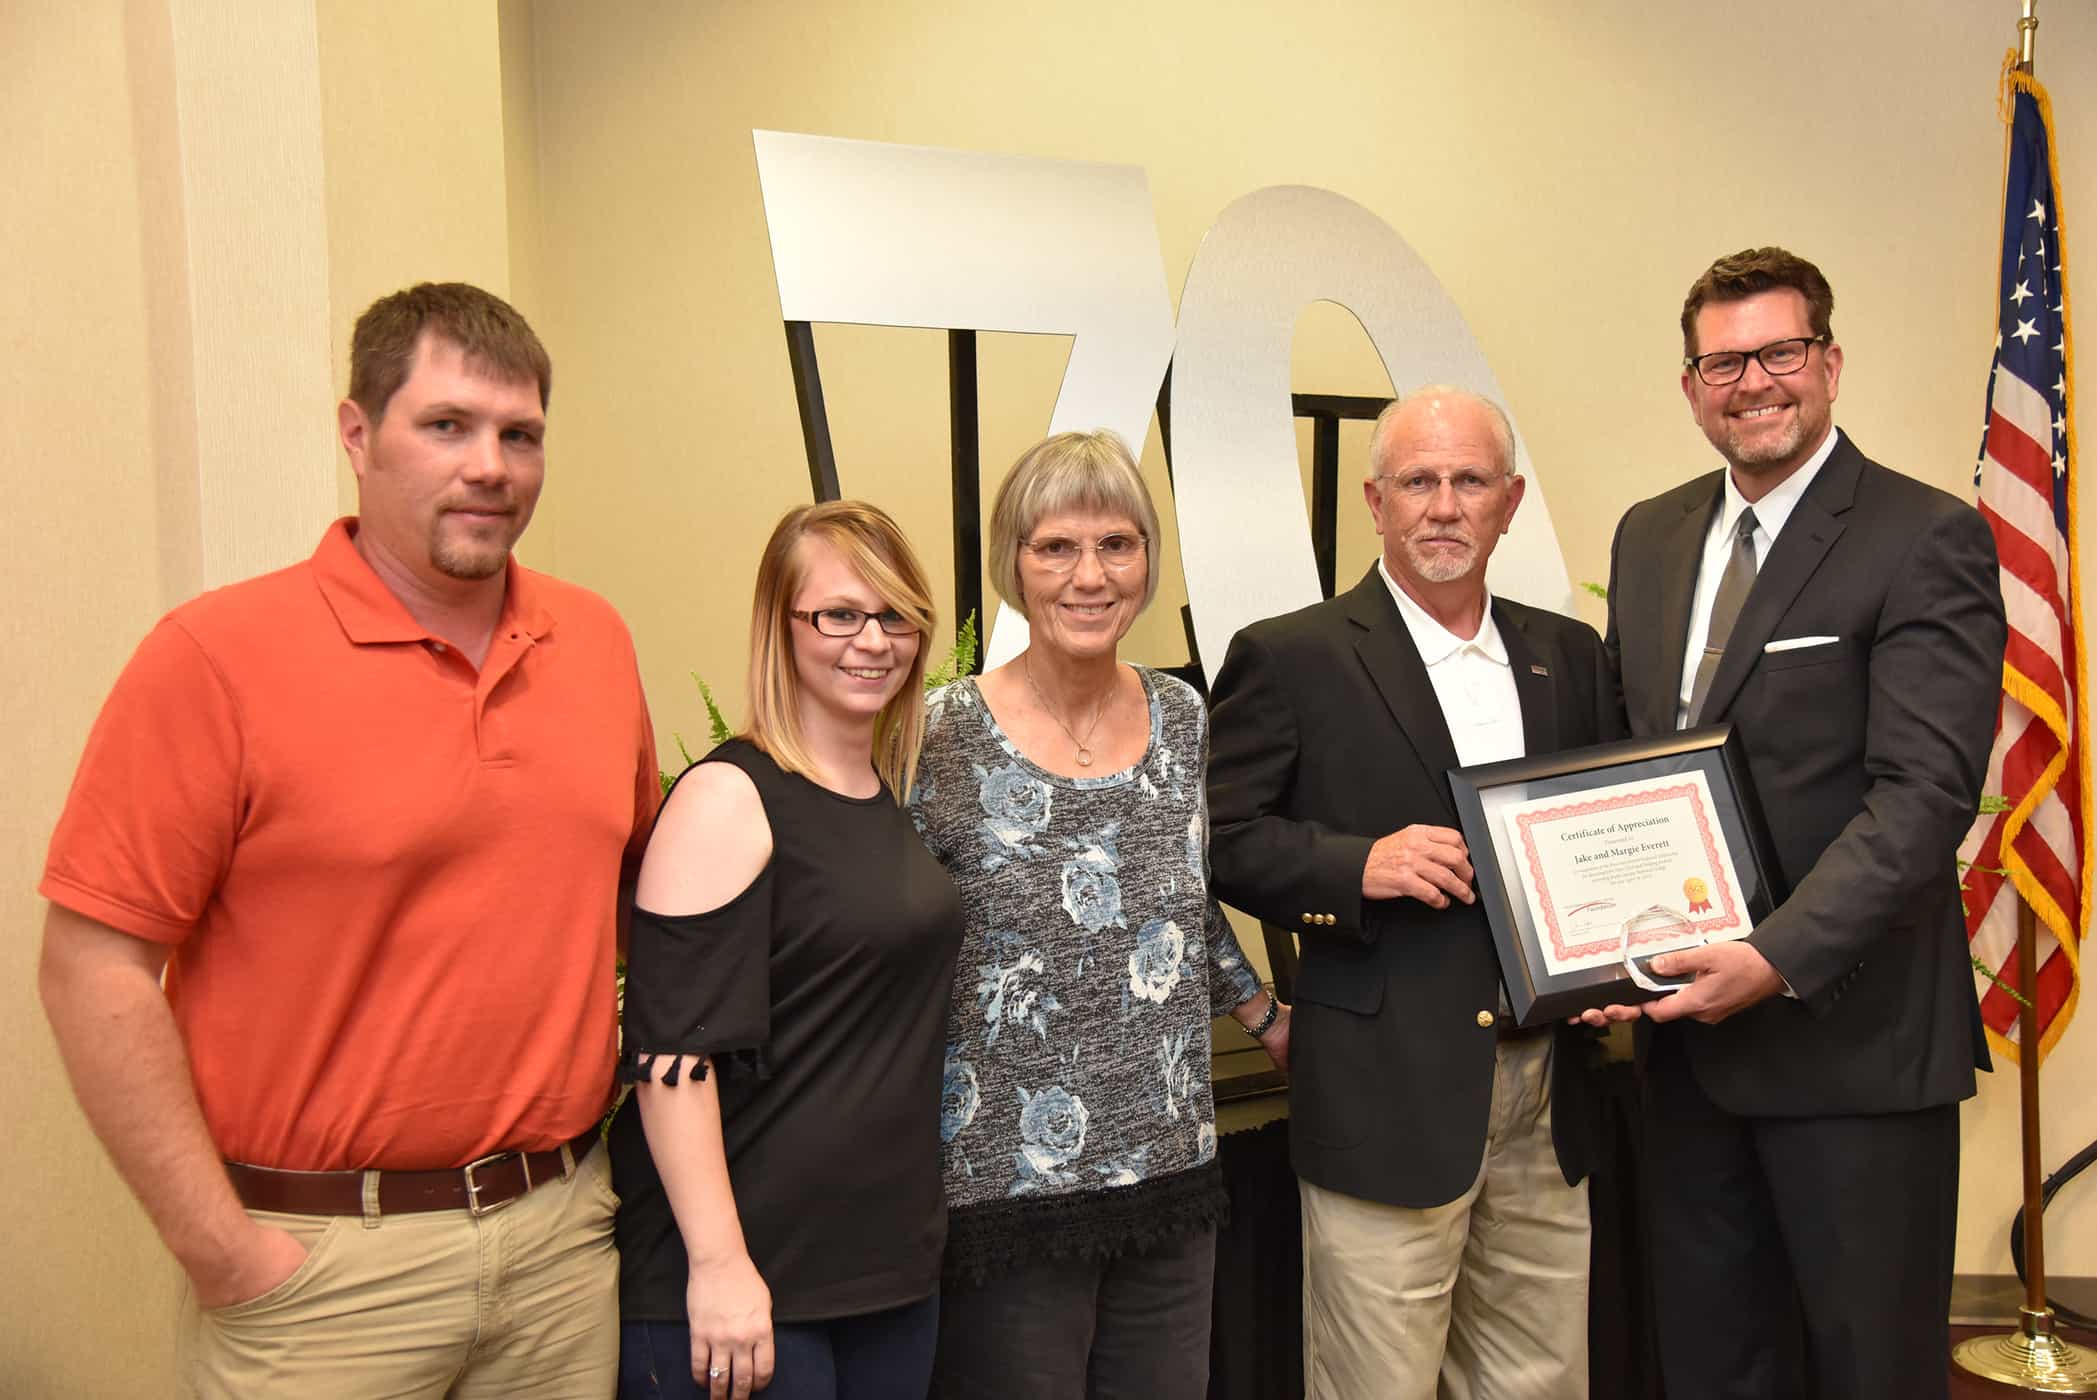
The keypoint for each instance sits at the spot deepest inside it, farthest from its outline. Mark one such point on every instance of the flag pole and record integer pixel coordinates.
(2033, 1357)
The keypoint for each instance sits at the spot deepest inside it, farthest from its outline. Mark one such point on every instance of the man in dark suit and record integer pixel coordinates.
(1440, 1149)
(1802, 1091)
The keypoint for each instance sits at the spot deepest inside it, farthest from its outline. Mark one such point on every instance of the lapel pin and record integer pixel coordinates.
(1537, 670)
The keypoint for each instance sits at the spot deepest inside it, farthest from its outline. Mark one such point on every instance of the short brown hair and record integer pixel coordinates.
(1092, 471)
(1738, 276)
(488, 331)
(874, 545)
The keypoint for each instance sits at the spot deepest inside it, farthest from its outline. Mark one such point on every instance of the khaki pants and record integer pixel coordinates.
(521, 1303)
(1484, 1298)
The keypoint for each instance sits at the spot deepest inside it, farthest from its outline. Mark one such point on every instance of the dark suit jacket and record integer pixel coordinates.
(1326, 735)
(1867, 753)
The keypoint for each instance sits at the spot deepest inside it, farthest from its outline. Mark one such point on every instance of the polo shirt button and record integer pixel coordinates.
(437, 647)
(1485, 1020)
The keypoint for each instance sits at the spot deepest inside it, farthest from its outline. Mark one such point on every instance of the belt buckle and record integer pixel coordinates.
(473, 1187)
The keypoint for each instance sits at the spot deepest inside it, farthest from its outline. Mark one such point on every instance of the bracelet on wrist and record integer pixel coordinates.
(1266, 1022)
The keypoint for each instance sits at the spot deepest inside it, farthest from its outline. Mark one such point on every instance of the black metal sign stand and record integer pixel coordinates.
(965, 437)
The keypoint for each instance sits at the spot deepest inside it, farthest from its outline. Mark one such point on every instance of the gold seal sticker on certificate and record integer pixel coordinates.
(1586, 861)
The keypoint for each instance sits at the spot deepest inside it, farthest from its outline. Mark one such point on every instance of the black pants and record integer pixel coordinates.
(1798, 1257)
(1132, 1328)
(874, 1356)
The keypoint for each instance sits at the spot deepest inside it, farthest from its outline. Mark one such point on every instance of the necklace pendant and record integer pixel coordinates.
(1084, 757)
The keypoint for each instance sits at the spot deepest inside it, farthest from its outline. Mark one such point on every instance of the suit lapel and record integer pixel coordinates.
(1394, 666)
(1535, 686)
(1681, 552)
(1809, 534)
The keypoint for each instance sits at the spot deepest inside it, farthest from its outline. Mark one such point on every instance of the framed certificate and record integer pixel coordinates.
(1592, 861)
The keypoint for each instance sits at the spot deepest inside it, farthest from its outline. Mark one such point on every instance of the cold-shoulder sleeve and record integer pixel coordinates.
(700, 984)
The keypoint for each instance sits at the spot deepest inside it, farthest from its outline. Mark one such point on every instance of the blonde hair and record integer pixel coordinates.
(1068, 472)
(875, 548)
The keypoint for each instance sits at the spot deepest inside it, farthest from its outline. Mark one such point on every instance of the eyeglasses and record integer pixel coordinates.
(1422, 484)
(1060, 555)
(850, 622)
(1722, 367)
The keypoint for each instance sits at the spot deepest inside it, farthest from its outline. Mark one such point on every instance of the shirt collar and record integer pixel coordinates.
(1775, 508)
(369, 613)
(1436, 643)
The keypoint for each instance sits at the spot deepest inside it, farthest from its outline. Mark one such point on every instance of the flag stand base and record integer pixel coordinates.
(2031, 1358)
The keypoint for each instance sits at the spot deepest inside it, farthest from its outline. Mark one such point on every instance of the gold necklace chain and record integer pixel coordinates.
(1026, 668)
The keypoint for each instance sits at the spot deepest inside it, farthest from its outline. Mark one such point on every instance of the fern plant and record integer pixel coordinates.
(1991, 804)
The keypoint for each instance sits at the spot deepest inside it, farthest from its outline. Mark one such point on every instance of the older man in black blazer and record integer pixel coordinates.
(1802, 1092)
(1440, 1149)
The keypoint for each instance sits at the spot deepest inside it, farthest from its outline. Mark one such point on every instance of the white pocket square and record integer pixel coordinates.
(1794, 643)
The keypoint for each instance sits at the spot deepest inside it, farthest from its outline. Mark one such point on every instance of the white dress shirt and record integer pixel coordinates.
(1472, 681)
(1770, 514)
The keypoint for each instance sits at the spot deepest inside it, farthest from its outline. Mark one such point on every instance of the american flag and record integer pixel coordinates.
(2025, 485)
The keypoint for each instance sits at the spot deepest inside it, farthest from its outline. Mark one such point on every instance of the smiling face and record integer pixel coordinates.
(844, 678)
(1446, 532)
(1087, 610)
(448, 476)
(1764, 425)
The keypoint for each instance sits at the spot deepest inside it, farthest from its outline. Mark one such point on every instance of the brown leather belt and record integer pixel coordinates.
(480, 1187)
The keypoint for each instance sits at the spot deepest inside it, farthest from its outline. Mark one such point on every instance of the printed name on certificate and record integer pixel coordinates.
(1597, 865)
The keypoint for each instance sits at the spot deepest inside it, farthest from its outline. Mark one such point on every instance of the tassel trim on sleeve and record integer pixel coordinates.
(745, 1062)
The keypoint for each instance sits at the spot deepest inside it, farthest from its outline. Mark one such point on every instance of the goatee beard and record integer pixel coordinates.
(469, 563)
(1441, 566)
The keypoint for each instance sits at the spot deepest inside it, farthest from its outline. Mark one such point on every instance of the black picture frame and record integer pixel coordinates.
(1535, 995)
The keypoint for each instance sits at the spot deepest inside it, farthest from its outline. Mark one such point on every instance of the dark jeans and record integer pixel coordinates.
(875, 1356)
(1132, 1328)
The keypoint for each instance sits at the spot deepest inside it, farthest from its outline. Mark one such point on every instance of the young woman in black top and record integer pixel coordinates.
(781, 1218)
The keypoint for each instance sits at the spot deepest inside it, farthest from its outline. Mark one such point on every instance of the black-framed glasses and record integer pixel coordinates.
(850, 622)
(1115, 551)
(1779, 357)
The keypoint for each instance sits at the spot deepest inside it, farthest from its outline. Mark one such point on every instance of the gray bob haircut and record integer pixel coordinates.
(1503, 431)
(1090, 472)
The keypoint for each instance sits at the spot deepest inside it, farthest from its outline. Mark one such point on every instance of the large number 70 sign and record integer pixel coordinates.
(877, 234)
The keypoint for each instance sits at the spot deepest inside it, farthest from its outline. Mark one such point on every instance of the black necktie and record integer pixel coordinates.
(1733, 586)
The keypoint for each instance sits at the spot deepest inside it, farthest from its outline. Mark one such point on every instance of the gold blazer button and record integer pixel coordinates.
(1485, 1020)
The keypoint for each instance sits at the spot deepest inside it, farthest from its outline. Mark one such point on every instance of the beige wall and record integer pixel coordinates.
(81, 581)
(129, 124)
(1564, 171)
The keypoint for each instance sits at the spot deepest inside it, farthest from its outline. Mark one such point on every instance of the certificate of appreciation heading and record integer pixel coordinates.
(1632, 869)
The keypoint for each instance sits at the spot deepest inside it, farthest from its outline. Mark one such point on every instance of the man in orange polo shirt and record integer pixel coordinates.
(372, 815)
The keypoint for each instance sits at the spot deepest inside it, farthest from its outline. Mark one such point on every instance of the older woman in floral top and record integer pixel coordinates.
(1063, 792)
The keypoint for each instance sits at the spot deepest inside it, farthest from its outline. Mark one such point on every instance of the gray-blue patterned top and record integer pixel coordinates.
(1092, 959)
